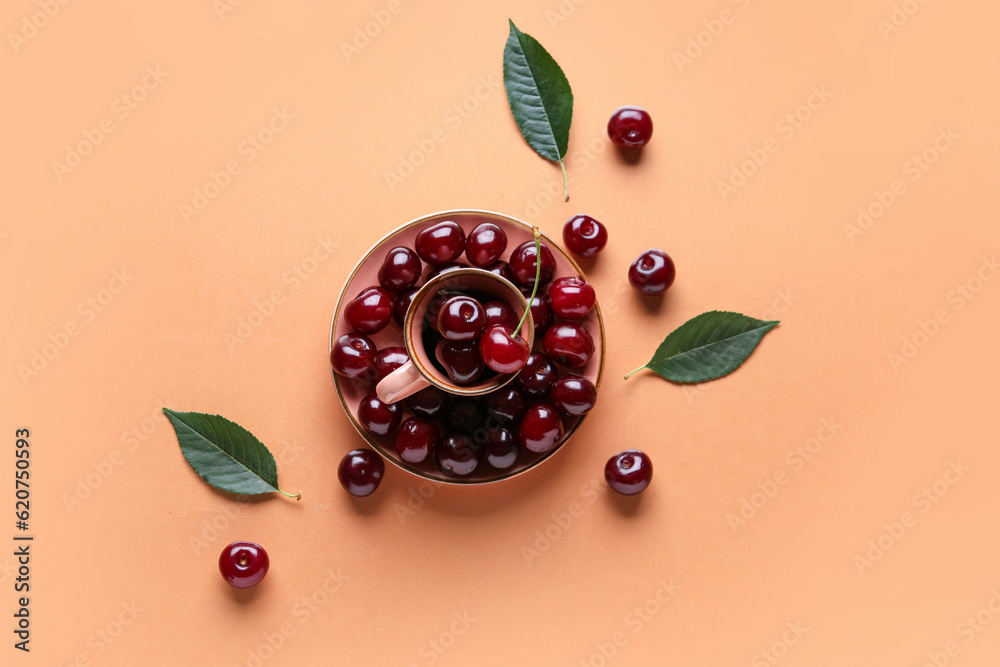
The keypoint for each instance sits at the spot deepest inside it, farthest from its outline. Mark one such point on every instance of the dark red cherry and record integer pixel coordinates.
(485, 244)
(629, 472)
(389, 359)
(584, 236)
(440, 243)
(506, 405)
(502, 352)
(500, 312)
(541, 314)
(360, 472)
(537, 376)
(541, 429)
(445, 268)
(461, 361)
(653, 272)
(434, 305)
(573, 395)
(571, 298)
(370, 311)
(378, 418)
(456, 455)
(569, 343)
(353, 356)
(401, 304)
(243, 564)
(415, 439)
(461, 318)
(500, 449)
(430, 402)
(502, 269)
(630, 127)
(523, 264)
(464, 414)
(400, 269)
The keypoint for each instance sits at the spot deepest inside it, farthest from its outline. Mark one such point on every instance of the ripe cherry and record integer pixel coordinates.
(440, 243)
(378, 418)
(629, 472)
(445, 268)
(541, 313)
(485, 244)
(401, 304)
(573, 395)
(653, 272)
(500, 312)
(630, 127)
(360, 472)
(353, 356)
(462, 361)
(400, 269)
(584, 236)
(541, 429)
(243, 564)
(523, 265)
(537, 376)
(370, 311)
(461, 318)
(500, 448)
(430, 402)
(503, 351)
(507, 405)
(415, 439)
(572, 297)
(455, 454)
(389, 359)
(501, 269)
(569, 344)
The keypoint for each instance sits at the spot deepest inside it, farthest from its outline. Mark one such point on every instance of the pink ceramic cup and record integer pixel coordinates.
(420, 373)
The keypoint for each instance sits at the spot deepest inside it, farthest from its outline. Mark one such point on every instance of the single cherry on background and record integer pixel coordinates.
(243, 564)
(456, 454)
(360, 472)
(630, 127)
(572, 297)
(584, 236)
(415, 439)
(653, 272)
(523, 265)
(461, 318)
(573, 395)
(400, 269)
(537, 376)
(569, 343)
(507, 404)
(440, 243)
(541, 429)
(370, 311)
(353, 356)
(629, 472)
(485, 244)
(462, 361)
(389, 359)
(430, 402)
(378, 418)
(500, 449)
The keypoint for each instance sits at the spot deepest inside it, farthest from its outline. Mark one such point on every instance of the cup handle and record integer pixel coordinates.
(402, 382)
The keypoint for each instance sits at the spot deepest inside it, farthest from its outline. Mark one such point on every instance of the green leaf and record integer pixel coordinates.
(707, 347)
(225, 454)
(539, 96)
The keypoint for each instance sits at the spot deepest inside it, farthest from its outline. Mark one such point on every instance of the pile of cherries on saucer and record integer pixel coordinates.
(459, 434)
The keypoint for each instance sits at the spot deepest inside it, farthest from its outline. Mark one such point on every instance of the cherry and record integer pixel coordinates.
(465, 415)
(455, 454)
(569, 344)
(243, 564)
(461, 318)
(401, 269)
(485, 244)
(353, 356)
(500, 448)
(653, 272)
(440, 243)
(462, 361)
(541, 313)
(507, 405)
(523, 265)
(378, 418)
(389, 359)
(572, 298)
(434, 305)
(415, 439)
(445, 268)
(401, 304)
(503, 351)
(584, 236)
(573, 395)
(630, 127)
(500, 312)
(502, 269)
(370, 311)
(537, 376)
(360, 472)
(629, 472)
(429, 402)
(541, 429)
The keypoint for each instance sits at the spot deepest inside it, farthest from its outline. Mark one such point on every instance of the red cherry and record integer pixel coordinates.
(370, 311)
(461, 318)
(573, 395)
(500, 312)
(415, 440)
(653, 272)
(541, 429)
(389, 359)
(243, 564)
(523, 265)
(440, 243)
(569, 343)
(630, 127)
(485, 244)
(353, 356)
(584, 236)
(400, 269)
(502, 351)
(572, 298)
(462, 361)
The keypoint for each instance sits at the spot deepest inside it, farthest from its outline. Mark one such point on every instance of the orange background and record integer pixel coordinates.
(127, 536)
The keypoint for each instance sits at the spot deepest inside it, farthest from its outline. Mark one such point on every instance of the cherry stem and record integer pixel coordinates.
(634, 372)
(297, 496)
(565, 180)
(538, 274)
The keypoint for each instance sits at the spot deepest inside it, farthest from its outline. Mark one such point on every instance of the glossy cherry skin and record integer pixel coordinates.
(500, 449)
(461, 318)
(500, 312)
(573, 395)
(629, 472)
(430, 402)
(360, 472)
(243, 564)
(523, 265)
(464, 414)
(370, 311)
(401, 304)
(400, 269)
(537, 376)
(456, 454)
(462, 361)
(415, 439)
(569, 343)
(630, 127)
(653, 272)
(485, 244)
(378, 418)
(506, 405)
(541, 429)
(541, 314)
(389, 359)
(501, 269)
(440, 243)
(445, 268)
(501, 351)
(434, 305)
(353, 356)
(572, 297)
(584, 236)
